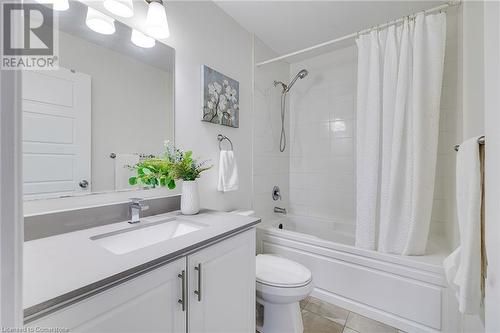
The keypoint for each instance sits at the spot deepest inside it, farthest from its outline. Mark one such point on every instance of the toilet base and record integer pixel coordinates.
(280, 318)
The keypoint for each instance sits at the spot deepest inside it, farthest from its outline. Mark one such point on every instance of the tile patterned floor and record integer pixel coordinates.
(322, 317)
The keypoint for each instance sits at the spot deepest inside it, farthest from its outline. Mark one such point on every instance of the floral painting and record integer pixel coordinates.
(221, 96)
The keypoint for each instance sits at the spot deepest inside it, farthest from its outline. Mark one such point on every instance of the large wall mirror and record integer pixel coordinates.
(110, 104)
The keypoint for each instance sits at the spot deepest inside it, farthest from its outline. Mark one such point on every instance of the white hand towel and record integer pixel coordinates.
(463, 266)
(122, 172)
(228, 172)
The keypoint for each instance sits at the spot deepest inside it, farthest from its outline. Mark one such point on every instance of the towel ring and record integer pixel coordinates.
(221, 138)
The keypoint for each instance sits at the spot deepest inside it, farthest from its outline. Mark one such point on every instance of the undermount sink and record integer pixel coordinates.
(145, 234)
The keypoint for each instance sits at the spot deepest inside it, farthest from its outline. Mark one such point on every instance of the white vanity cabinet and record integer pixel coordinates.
(222, 287)
(172, 298)
(148, 303)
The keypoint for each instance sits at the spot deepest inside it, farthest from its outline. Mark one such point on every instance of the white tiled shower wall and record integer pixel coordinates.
(270, 166)
(322, 137)
(322, 179)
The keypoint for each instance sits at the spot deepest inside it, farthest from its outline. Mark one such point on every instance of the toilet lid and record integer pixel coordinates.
(277, 271)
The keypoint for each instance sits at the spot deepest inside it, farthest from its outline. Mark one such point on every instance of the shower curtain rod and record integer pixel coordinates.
(355, 34)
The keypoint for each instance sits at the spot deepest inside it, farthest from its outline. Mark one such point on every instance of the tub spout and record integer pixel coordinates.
(279, 210)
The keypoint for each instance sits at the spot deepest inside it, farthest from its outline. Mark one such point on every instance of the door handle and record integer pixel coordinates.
(182, 300)
(84, 183)
(198, 292)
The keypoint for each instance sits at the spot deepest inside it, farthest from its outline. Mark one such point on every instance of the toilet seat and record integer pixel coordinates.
(280, 285)
(280, 272)
(275, 285)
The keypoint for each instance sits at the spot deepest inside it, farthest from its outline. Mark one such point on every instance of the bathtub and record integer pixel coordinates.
(407, 292)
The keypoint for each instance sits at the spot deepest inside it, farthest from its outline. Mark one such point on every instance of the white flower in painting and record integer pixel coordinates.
(231, 94)
(222, 102)
(211, 89)
(218, 87)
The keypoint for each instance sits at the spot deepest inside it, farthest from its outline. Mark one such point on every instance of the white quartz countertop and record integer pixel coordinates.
(57, 265)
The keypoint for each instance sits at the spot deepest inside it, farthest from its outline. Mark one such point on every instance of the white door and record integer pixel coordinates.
(222, 287)
(56, 133)
(148, 303)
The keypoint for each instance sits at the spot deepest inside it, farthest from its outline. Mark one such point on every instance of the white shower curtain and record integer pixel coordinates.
(400, 73)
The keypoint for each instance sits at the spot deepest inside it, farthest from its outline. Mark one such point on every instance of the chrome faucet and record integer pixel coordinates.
(280, 210)
(136, 208)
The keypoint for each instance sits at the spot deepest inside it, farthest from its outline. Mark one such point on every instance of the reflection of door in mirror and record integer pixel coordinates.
(56, 133)
(86, 124)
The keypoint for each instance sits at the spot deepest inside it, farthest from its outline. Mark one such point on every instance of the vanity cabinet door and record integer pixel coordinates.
(222, 286)
(148, 303)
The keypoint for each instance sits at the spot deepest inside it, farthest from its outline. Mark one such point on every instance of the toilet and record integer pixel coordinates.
(281, 284)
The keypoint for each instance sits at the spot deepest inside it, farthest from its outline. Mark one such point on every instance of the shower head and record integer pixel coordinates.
(286, 88)
(300, 75)
(303, 73)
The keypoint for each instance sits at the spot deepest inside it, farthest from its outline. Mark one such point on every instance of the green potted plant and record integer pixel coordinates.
(175, 164)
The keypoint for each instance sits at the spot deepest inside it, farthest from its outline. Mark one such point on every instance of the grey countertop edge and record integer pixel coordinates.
(37, 311)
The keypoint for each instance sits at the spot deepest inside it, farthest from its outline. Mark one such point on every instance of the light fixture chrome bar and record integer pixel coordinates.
(355, 34)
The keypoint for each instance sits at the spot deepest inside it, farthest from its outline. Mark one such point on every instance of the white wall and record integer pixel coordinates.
(270, 166)
(471, 102)
(202, 33)
(132, 104)
(492, 154)
(322, 177)
(11, 207)
(473, 68)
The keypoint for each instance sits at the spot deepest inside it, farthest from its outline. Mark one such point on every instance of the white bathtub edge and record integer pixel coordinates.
(371, 312)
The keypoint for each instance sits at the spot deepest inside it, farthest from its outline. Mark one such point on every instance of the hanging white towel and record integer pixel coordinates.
(228, 172)
(122, 172)
(463, 266)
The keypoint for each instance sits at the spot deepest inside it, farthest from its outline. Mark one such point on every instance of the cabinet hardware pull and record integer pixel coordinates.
(198, 292)
(182, 301)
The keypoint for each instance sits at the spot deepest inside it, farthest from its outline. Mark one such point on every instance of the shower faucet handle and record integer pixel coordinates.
(276, 193)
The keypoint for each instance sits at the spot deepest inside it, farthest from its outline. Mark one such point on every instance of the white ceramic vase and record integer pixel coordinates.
(190, 199)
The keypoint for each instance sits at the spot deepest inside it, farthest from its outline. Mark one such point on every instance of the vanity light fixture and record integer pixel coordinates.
(123, 8)
(156, 20)
(141, 40)
(100, 22)
(59, 5)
